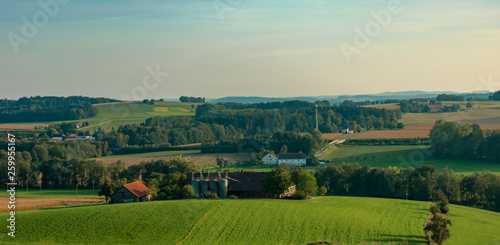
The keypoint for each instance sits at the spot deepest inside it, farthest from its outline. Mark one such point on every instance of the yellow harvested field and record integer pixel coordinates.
(392, 134)
(197, 158)
(26, 126)
(36, 203)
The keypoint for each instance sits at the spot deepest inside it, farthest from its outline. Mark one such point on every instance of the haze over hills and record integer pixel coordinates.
(336, 99)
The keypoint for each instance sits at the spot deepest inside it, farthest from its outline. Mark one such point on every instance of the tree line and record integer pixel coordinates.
(192, 99)
(52, 101)
(464, 140)
(423, 183)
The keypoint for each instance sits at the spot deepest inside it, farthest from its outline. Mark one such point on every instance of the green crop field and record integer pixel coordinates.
(403, 156)
(52, 193)
(113, 115)
(346, 220)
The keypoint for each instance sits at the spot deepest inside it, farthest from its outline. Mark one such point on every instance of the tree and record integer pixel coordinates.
(304, 182)
(439, 229)
(284, 149)
(276, 183)
(469, 105)
(221, 161)
(106, 190)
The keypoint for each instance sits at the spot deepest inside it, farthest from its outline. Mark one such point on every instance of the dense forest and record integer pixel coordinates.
(297, 116)
(44, 109)
(51, 101)
(45, 114)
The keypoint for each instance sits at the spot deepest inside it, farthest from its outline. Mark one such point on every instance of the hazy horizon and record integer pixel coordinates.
(266, 49)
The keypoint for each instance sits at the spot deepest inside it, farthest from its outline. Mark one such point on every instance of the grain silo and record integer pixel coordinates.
(214, 186)
(204, 185)
(196, 184)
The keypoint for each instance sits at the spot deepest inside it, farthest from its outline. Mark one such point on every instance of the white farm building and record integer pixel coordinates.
(298, 159)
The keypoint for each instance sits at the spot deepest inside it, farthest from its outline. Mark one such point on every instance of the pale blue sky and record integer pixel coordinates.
(261, 48)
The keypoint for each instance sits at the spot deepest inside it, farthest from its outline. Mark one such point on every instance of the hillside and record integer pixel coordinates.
(347, 220)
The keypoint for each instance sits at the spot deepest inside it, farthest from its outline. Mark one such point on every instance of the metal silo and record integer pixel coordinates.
(214, 186)
(196, 186)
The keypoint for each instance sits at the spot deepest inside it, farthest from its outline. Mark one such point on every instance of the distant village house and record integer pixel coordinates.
(433, 108)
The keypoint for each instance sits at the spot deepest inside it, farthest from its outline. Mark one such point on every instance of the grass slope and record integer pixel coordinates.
(350, 220)
(134, 223)
(473, 226)
(113, 115)
(403, 156)
(342, 219)
(346, 220)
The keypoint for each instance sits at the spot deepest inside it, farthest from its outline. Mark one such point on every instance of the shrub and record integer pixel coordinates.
(233, 197)
(211, 195)
(299, 195)
(434, 209)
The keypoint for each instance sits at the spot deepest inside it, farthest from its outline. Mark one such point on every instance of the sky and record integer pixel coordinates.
(215, 48)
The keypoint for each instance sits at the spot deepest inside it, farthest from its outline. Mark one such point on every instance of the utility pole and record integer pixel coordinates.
(317, 117)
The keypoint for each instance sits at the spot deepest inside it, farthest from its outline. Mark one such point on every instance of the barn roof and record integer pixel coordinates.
(137, 188)
(292, 156)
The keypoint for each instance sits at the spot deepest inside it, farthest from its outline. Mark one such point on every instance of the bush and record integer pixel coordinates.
(233, 197)
(434, 209)
(299, 195)
(211, 195)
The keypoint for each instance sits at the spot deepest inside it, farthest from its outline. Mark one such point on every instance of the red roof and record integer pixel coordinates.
(435, 107)
(137, 188)
(77, 124)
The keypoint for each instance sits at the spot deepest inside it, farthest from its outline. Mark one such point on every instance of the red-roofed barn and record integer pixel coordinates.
(131, 192)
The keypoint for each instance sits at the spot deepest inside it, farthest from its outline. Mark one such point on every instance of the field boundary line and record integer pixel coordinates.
(196, 225)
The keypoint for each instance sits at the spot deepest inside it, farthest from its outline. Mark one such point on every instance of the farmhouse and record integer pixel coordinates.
(77, 125)
(241, 184)
(298, 159)
(433, 108)
(132, 192)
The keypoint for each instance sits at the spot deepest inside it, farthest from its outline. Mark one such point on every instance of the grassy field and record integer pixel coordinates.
(484, 224)
(403, 156)
(116, 114)
(349, 220)
(346, 220)
(51, 193)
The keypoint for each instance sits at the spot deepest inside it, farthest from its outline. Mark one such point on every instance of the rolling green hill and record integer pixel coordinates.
(346, 220)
